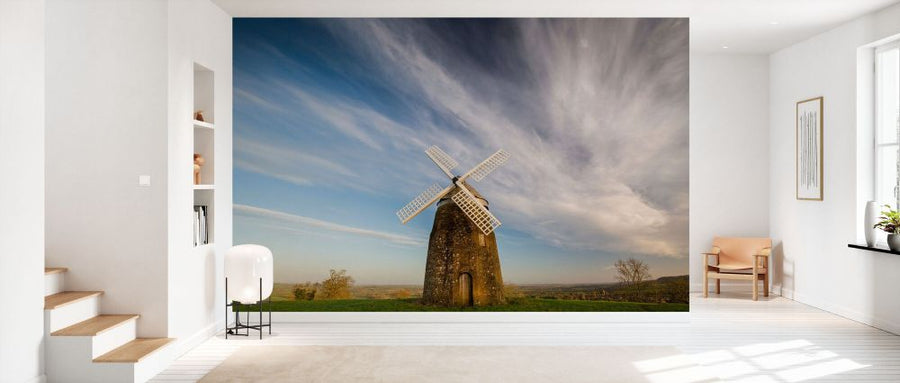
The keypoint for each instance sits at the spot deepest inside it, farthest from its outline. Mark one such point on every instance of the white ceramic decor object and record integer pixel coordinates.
(244, 266)
(872, 213)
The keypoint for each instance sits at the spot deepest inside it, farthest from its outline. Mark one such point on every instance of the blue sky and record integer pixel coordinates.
(332, 117)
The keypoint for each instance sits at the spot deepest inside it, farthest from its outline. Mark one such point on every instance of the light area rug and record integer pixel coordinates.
(458, 364)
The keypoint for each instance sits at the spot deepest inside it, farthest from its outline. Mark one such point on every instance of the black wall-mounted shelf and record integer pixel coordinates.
(876, 248)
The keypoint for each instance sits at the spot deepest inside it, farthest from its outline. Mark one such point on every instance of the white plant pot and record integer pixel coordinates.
(893, 241)
(244, 266)
(872, 214)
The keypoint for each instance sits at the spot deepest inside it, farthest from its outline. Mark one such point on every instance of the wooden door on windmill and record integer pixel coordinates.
(464, 290)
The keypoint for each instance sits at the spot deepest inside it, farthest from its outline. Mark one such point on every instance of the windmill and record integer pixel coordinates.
(463, 264)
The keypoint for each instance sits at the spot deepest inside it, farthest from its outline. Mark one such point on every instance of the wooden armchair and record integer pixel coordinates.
(738, 258)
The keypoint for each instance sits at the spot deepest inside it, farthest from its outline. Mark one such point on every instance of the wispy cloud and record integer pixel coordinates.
(279, 160)
(357, 121)
(307, 222)
(338, 117)
(251, 166)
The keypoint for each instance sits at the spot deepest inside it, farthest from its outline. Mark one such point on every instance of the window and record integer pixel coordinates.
(887, 124)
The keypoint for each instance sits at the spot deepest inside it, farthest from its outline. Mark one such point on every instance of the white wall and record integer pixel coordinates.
(198, 32)
(120, 91)
(813, 263)
(729, 151)
(22, 189)
(106, 125)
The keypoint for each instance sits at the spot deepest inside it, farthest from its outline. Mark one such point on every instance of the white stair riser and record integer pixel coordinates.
(67, 361)
(65, 356)
(113, 338)
(113, 372)
(66, 364)
(154, 363)
(54, 283)
(65, 316)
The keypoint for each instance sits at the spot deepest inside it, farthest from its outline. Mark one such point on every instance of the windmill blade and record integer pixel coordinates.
(475, 210)
(422, 202)
(487, 166)
(441, 159)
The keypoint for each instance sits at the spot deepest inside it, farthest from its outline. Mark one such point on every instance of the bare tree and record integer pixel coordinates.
(632, 271)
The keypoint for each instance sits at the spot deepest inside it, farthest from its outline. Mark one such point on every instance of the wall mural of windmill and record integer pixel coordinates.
(463, 266)
(331, 116)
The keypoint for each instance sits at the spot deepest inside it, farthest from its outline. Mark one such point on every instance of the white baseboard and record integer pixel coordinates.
(785, 293)
(867, 319)
(182, 346)
(482, 317)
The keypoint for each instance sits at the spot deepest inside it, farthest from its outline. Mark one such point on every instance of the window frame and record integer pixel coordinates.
(879, 144)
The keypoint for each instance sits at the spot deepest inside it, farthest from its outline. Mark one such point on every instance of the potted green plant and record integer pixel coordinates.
(890, 223)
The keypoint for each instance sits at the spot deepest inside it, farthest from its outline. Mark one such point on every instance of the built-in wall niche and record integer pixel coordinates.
(204, 96)
(205, 228)
(204, 145)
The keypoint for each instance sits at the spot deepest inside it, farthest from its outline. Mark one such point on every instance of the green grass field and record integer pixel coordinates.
(517, 304)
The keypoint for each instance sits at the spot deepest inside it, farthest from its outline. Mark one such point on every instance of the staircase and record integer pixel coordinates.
(83, 345)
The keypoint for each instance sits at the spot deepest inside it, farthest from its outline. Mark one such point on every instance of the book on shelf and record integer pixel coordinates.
(201, 229)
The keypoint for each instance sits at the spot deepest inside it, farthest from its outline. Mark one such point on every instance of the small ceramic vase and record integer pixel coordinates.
(893, 241)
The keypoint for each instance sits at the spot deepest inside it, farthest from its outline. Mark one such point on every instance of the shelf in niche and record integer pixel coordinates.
(205, 187)
(203, 124)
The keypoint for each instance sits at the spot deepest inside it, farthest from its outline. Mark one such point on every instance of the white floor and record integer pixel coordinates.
(729, 336)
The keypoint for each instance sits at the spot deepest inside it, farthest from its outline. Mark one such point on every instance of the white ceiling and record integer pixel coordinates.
(744, 26)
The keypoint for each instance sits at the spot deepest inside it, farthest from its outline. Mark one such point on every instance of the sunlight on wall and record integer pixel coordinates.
(791, 361)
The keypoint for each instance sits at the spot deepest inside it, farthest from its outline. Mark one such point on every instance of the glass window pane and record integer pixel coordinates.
(886, 178)
(887, 100)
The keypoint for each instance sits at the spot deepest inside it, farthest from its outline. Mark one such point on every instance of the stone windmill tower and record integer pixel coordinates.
(463, 265)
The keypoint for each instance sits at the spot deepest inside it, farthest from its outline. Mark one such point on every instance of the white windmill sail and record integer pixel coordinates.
(442, 160)
(487, 166)
(475, 210)
(422, 202)
(463, 198)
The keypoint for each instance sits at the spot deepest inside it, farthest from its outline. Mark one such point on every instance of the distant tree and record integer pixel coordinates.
(305, 291)
(337, 286)
(632, 271)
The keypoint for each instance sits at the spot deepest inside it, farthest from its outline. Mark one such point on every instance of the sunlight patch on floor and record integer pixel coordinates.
(780, 362)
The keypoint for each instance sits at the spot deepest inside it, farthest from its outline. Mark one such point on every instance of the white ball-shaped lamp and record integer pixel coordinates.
(244, 266)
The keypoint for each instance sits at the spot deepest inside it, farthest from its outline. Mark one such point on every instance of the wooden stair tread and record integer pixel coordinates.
(134, 351)
(54, 270)
(67, 297)
(95, 325)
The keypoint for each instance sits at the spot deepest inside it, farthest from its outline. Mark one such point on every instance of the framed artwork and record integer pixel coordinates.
(809, 157)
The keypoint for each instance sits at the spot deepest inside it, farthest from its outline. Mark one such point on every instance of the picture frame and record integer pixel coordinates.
(809, 165)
